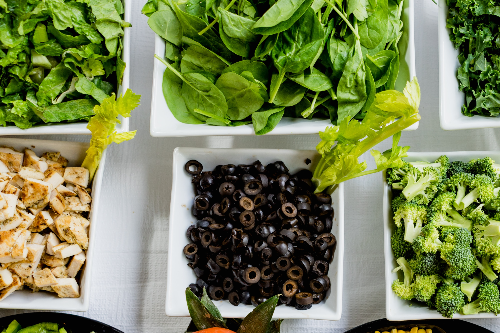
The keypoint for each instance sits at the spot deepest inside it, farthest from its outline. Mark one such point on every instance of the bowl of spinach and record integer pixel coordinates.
(58, 59)
(283, 67)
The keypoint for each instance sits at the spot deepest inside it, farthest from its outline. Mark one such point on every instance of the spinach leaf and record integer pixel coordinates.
(297, 47)
(272, 22)
(266, 45)
(200, 93)
(339, 52)
(171, 87)
(243, 96)
(380, 66)
(351, 91)
(373, 31)
(166, 25)
(257, 68)
(393, 70)
(236, 32)
(312, 79)
(289, 92)
(198, 58)
(266, 120)
(280, 12)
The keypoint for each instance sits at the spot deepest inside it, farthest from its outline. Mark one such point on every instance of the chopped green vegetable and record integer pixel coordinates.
(53, 50)
(318, 59)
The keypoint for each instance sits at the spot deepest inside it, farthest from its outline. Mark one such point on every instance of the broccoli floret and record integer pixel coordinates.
(470, 286)
(457, 167)
(457, 253)
(484, 166)
(495, 263)
(396, 175)
(476, 215)
(449, 299)
(458, 183)
(428, 240)
(421, 186)
(425, 286)
(397, 202)
(485, 267)
(487, 238)
(443, 202)
(405, 289)
(400, 247)
(482, 189)
(456, 236)
(426, 264)
(441, 165)
(449, 218)
(413, 216)
(488, 300)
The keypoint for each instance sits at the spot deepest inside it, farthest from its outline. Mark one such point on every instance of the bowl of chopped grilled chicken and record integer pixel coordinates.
(48, 210)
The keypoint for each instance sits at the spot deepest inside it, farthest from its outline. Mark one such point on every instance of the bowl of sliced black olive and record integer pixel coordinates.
(247, 224)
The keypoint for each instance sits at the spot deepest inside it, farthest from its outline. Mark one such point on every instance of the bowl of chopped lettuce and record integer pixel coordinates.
(468, 65)
(58, 60)
(241, 68)
(441, 231)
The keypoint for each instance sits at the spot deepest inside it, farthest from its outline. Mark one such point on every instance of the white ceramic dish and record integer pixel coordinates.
(451, 98)
(81, 127)
(164, 124)
(25, 299)
(179, 275)
(396, 308)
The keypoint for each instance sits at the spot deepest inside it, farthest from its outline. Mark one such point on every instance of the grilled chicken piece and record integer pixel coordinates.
(11, 158)
(77, 176)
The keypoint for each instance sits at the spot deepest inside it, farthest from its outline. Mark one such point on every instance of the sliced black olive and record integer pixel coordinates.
(253, 187)
(303, 262)
(320, 267)
(226, 189)
(303, 174)
(295, 273)
(304, 242)
(285, 300)
(206, 238)
(234, 298)
(304, 208)
(328, 224)
(320, 244)
(216, 293)
(199, 272)
(247, 177)
(247, 219)
(283, 263)
(266, 273)
(282, 199)
(266, 291)
(202, 202)
(329, 238)
(318, 285)
(303, 301)
(237, 195)
(245, 297)
(251, 275)
(190, 230)
(290, 288)
(263, 179)
(223, 261)
(214, 248)
(216, 226)
(196, 289)
(265, 255)
(207, 180)
(246, 203)
(193, 167)
(273, 239)
(237, 261)
(213, 267)
(259, 245)
(288, 234)
(325, 209)
(259, 200)
(258, 300)
(302, 198)
(290, 223)
(323, 198)
(272, 216)
(281, 248)
(290, 189)
(259, 214)
(227, 284)
(328, 255)
(234, 214)
(259, 166)
(317, 298)
(327, 279)
(318, 226)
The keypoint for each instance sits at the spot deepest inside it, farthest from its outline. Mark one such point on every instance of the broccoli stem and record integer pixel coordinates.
(469, 198)
(468, 288)
(458, 199)
(471, 308)
(485, 267)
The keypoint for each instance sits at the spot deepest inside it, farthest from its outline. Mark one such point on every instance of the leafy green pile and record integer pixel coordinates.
(58, 59)
(474, 31)
(342, 145)
(446, 239)
(255, 61)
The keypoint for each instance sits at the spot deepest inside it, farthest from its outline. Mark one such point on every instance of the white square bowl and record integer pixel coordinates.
(396, 308)
(179, 275)
(164, 124)
(25, 299)
(451, 98)
(81, 127)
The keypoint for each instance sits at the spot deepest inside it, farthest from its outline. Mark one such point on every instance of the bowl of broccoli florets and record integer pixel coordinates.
(442, 236)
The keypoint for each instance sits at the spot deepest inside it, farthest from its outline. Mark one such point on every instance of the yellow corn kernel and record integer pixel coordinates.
(394, 330)
(428, 330)
(401, 331)
(422, 330)
(377, 331)
(414, 330)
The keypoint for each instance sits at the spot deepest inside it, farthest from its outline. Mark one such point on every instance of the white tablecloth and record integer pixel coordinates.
(129, 273)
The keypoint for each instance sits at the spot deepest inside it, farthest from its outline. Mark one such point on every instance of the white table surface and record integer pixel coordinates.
(129, 270)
